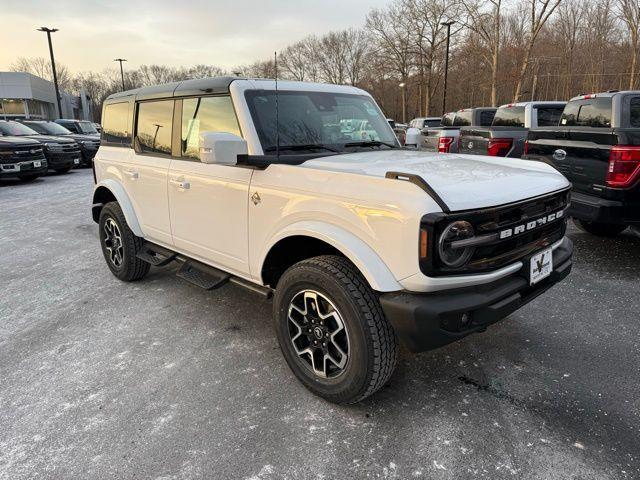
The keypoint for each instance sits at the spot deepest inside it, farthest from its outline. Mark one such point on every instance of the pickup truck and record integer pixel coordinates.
(597, 147)
(360, 243)
(508, 131)
(445, 138)
(416, 126)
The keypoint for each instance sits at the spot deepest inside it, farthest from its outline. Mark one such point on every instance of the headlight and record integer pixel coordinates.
(455, 256)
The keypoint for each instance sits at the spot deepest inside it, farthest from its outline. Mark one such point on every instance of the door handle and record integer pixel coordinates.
(133, 175)
(181, 184)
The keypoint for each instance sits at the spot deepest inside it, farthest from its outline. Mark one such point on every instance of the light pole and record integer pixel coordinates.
(49, 31)
(121, 70)
(404, 102)
(446, 65)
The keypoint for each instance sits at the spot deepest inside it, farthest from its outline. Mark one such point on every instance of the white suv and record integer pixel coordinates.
(361, 241)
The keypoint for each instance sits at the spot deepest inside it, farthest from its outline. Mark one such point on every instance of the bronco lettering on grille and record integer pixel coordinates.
(525, 227)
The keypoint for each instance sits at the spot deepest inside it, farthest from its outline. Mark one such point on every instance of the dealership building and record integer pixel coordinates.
(23, 95)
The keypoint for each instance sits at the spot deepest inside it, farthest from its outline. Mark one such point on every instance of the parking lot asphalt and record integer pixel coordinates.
(159, 379)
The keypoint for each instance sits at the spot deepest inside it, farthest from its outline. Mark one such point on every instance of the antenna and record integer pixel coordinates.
(275, 63)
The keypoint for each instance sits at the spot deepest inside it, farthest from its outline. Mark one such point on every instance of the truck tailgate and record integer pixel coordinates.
(581, 153)
(474, 140)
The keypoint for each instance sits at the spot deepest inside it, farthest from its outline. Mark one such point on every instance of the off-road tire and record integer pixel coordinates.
(600, 229)
(373, 344)
(131, 268)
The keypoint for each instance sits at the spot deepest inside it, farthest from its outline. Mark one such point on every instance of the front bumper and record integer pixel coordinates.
(18, 169)
(63, 160)
(428, 321)
(595, 209)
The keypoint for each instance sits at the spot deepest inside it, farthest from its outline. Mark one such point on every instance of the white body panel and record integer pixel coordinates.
(206, 211)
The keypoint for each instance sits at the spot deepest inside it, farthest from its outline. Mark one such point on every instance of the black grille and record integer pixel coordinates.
(21, 154)
(500, 252)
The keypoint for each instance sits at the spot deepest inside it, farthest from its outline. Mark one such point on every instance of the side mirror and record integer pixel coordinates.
(221, 148)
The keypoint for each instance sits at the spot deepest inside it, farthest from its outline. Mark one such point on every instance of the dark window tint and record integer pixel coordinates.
(549, 116)
(463, 119)
(486, 118)
(209, 114)
(431, 123)
(116, 123)
(153, 130)
(592, 112)
(635, 112)
(447, 120)
(509, 116)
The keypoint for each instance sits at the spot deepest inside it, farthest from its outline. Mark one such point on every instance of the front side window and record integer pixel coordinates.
(635, 112)
(86, 127)
(154, 126)
(116, 123)
(208, 114)
(509, 116)
(549, 116)
(588, 112)
(317, 120)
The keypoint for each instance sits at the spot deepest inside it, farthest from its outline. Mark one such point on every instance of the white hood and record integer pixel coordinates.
(463, 182)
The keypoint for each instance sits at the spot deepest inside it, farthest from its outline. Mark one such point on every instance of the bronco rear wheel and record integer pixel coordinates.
(332, 331)
(120, 245)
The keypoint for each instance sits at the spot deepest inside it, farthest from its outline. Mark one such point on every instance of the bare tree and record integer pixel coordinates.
(486, 24)
(540, 11)
(569, 29)
(629, 12)
(41, 67)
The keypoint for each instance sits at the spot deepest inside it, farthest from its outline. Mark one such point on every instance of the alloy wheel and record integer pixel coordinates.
(113, 242)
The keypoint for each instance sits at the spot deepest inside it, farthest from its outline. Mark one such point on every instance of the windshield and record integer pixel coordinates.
(87, 127)
(16, 129)
(49, 128)
(509, 116)
(310, 120)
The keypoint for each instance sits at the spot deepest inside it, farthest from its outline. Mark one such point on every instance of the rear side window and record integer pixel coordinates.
(115, 124)
(463, 119)
(635, 112)
(591, 112)
(549, 116)
(208, 114)
(486, 117)
(509, 117)
(154, 126)
(431, 123)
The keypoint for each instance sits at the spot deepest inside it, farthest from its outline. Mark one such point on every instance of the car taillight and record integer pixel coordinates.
(499, 147)
(444, 144)
(624, 165)
(526, 147)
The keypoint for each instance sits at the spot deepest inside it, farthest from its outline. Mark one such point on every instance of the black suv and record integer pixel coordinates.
(88, 144)
(61, 153)
(21, 158)
(597, 147)
(83, 127)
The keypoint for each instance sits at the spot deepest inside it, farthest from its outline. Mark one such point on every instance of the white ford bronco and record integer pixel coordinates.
(361, 242)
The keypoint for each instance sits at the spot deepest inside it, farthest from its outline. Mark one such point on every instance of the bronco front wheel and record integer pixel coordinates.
(332, 331)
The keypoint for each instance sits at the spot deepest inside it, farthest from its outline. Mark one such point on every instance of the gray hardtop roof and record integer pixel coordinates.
(606, 94)
(185, 88)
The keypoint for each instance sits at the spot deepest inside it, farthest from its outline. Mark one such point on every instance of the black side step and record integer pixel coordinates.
(202, 275)
(155, 254)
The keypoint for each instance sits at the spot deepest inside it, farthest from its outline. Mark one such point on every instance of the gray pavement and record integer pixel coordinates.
(159, 379)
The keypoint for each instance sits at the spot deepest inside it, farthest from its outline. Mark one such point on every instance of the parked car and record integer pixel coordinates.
(597, 147)
(22, 158)
(361, 242)
(400, 129)
(508, 131)
(62, 154)
(445, 138)
(88, 143)
(416, 126)
(83, 127)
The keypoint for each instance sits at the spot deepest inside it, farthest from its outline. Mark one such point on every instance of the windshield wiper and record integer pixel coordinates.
(370, 143)
(308, 146)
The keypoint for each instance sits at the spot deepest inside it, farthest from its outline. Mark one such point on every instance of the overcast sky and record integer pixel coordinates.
(224, 33)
